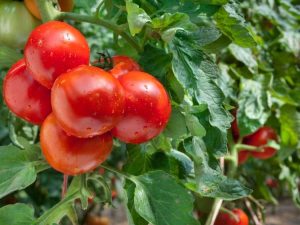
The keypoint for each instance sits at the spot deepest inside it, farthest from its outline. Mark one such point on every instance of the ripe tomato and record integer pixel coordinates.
(65, 6)
(226, 219)
(243, 156)
(54, 48)
(24, 96)
(87, 101)
(97, 220)
(260, 138)
(272, 183)
(123, 65)
(71, 155)
(16, 23)
(147, 108)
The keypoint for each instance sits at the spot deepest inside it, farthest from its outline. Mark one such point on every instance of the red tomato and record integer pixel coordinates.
(147, 108)
(71, 155)
(234, 127)
(123, 65)
(87, 101)
(271, 183)
(54, 48)
(260, 138)
(243, 156)
(24, 96)
(226, 219)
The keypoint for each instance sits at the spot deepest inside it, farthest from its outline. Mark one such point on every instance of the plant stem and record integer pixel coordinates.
(46, 9)
(107, 24)
(117, 172)
(64, 186)
(214, 212)
(233, 163)
(247, 147)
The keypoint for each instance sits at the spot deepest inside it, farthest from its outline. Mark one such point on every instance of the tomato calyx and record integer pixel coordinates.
(104, 61)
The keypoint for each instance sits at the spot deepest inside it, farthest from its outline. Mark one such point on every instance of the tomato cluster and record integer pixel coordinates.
(81, 107)
(259, 139)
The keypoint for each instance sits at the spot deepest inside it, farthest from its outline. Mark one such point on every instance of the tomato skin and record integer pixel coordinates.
(226, 219)
(71, 155)
(54, 48)
(123, 65)
(147, 108)
(87, 101)
(24, 96)
(13, 30)
(65, 5)
(243, 156)
(260, 138)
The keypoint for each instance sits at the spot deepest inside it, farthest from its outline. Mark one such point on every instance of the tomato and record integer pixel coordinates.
(71, 155)
(234, 127)
(226, 219)
(65, 5)
(97, 220)
(54, 48)
(87, 101)
(260, 138)
(24, 96)
(16, 23)
(147, 108)
(272, 183)
(243, 156)
(123, 65)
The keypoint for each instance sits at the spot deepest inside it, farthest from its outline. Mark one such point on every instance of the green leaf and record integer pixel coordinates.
(291, 40)
(168, 24)
(17, 169)
(155, 61)
(213, 2)
(290, 125)
(176, 127)
(233, 25)
(245, 56)
(8, 56)
(254, 103)
(194, 126)
(137, 17)
(196, 72)
(16, 214)
(210, 182)
(170, 204)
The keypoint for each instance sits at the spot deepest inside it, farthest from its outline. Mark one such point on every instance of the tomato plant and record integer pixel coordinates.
(193, 112)
(13, 34)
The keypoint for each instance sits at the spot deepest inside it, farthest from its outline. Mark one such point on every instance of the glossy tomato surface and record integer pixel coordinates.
(147, 108)
(65, 5)
(71, 155)
(54, 48)
(226, 219)
(123, 65)
(24, 96)
(260, 138)
(16, 23)
(87, 101)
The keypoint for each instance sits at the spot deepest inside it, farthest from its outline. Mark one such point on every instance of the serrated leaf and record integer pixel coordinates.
(16, 214)
(170, 204)
(210, 182)
(254, 104)
(194, 126)
(136, 17)
(290, 125)
(176, 126)
(245, 56)
(168, 24)
(17, 169)
(233, 25)
(196, 72)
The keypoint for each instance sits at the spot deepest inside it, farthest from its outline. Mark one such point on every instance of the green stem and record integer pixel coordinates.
(233, 163)
(247, 147)
(127, 176)
(230, 213)
(47, 11)
(107, 24)
(214, 212)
